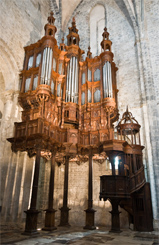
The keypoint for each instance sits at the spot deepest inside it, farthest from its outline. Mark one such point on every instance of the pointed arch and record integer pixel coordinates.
(97, 24)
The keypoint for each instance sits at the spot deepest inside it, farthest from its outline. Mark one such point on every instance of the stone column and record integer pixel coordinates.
(115, 227)
(50, 212)
(64, 220)
(32, 213)
(90, 211)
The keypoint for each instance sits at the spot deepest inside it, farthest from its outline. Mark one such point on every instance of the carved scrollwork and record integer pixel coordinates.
(31, 152)
(46, 155)
(73, 135)
(60, 159)
(42, 97)
(84, 158)
(100, 158)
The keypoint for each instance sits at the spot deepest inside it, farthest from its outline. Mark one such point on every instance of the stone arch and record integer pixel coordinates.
(9, 68)
(97, 24)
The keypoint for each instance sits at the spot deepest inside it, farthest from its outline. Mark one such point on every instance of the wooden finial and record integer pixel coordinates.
(51, 18)
(73, 19)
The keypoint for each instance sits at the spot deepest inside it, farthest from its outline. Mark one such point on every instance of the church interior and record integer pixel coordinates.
(79, 121)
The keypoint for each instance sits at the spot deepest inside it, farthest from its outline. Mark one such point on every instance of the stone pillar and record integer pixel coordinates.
(32, 213)
(50, 212)
(115, 227)
(8, 97)
(90, 211)
(64, 220)
(7, 166)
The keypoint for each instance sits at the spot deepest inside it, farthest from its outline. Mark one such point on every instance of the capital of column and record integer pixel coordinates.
(8, 95)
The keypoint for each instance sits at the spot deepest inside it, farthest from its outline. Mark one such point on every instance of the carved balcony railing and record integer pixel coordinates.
(41, 127)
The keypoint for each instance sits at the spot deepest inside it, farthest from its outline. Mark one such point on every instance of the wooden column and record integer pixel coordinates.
(121, 166)
(32, 213)
(50, 212)
(112, 160)
(115, 227)
(64, 220)
(90, 211)
(134, 163)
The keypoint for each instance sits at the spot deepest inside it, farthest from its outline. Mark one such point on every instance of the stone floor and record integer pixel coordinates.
(11, 234)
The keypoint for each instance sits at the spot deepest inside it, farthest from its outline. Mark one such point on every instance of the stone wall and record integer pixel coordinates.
(77, 194)
(22, 23)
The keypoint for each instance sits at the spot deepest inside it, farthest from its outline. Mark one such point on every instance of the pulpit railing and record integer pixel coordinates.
(137, 180)
(121, 186)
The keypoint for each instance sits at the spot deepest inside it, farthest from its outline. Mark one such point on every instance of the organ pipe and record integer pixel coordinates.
(76, 82)
(70, 76)
(107, 80)
(110, 82)
(111, 94)
(104, 79)
(73, 80)
(110, 79)
(50, 64)
(43, 65)
(46, 66)
(75, 76)
(67, 82)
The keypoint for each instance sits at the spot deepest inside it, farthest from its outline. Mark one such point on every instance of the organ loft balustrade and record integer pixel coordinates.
(69, 109)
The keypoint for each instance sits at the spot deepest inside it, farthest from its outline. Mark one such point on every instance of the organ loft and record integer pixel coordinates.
(69, 110)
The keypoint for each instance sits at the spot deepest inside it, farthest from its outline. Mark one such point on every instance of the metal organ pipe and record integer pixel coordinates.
(111, 91)
(47, 65)
(73, 80)
(67, 87)
(103, 83)
(105, 80)
(104, 77)
(70, 77)
(76, 82)
(110, 82)
(50, 64)
(43, 65)
(108, 79)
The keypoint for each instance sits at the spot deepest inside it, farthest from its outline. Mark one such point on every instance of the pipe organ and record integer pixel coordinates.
(69, 107)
